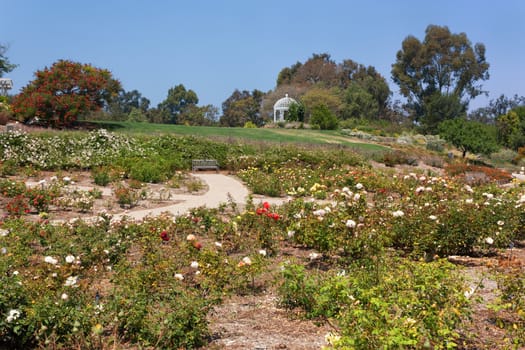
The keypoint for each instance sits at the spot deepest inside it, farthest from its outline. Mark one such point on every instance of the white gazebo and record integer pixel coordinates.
(281, 106)
(5, 84)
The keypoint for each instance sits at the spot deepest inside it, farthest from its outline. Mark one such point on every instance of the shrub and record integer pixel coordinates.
(8, 168)
(5, 116)
(17, 206)
(150, 171)
(435, 144)
(194, 184)
(323, 118)
(127, 196)
(383, 305)
(395, 157)
(461, 169)
(510, 304)
(10, 188)
(101, 176)
(40, 199)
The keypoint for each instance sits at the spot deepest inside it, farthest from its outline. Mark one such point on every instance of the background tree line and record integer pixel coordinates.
(438, 77)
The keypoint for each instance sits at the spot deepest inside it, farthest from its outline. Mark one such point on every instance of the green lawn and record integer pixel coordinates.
(304, 136)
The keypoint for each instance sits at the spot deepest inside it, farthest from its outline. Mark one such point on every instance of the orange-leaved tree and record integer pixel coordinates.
(63, 92)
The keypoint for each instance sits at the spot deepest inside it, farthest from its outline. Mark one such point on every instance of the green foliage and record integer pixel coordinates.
(318, 96)
(438, 108)
(443, 64)
(128, 197)
(59, 151)
(148, 170)
(241, 107)
(398, 157)
(101, 176)
(125, 102)
(152, 283)
(510, 303)
(10, 188)
(296, 112)
(177, 102)
(5, 65)
(394, 304)
(511, 128)
(325, 80)
(296, 288)
(136, 115)
(324, 118)
(435, 144)
(469, 136)
(359, 104)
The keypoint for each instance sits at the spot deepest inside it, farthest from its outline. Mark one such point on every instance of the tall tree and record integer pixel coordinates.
(328, 98)
(511, 128)
(359, 103)
(287, 74)
(318, 69)
(321, 72)
(368, 79)
(496, 108)
(59, 95)
(444, 64)
(125, 102)
(5, 65)
(241, 107)
(178, 100)
(203, 116)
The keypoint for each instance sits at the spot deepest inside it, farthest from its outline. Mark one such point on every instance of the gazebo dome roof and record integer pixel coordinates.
(284, 103)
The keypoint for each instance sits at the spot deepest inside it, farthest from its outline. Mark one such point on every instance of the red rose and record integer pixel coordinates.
(164, 236)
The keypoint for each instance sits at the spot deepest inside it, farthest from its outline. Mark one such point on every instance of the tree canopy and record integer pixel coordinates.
(356, 87)
(511, 128)
(242, 107)
(443, 64)
(62, 93)
(5, 65)
(469, 136)
(177, 102)
(127, 101)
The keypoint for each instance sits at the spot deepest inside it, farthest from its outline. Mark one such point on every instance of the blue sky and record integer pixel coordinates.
(214, 47)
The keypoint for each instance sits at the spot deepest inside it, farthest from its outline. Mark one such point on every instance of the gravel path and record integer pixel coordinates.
(221, 189)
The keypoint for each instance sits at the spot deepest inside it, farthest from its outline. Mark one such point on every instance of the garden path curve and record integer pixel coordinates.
(221, 189)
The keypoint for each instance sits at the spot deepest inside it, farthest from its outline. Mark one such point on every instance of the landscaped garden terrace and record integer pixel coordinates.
(364, 249)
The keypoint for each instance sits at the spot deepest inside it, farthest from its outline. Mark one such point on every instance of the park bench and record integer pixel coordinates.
(204, 164)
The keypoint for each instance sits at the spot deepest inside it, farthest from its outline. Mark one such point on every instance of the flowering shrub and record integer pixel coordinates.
(460, 169)
(63, 92)
(9, 188)
(40, 198)
(356, 233)
(66, 151)
(127, 196)
(17, 206)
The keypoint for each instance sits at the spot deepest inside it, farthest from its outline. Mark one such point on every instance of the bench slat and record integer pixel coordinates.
(201, 164)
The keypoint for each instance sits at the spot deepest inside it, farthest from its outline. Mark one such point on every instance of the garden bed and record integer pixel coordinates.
(348, 255)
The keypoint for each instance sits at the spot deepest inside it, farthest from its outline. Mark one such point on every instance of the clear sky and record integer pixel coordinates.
(214, 47)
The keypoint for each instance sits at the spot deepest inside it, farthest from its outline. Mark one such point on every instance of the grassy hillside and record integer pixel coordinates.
(304, 136)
